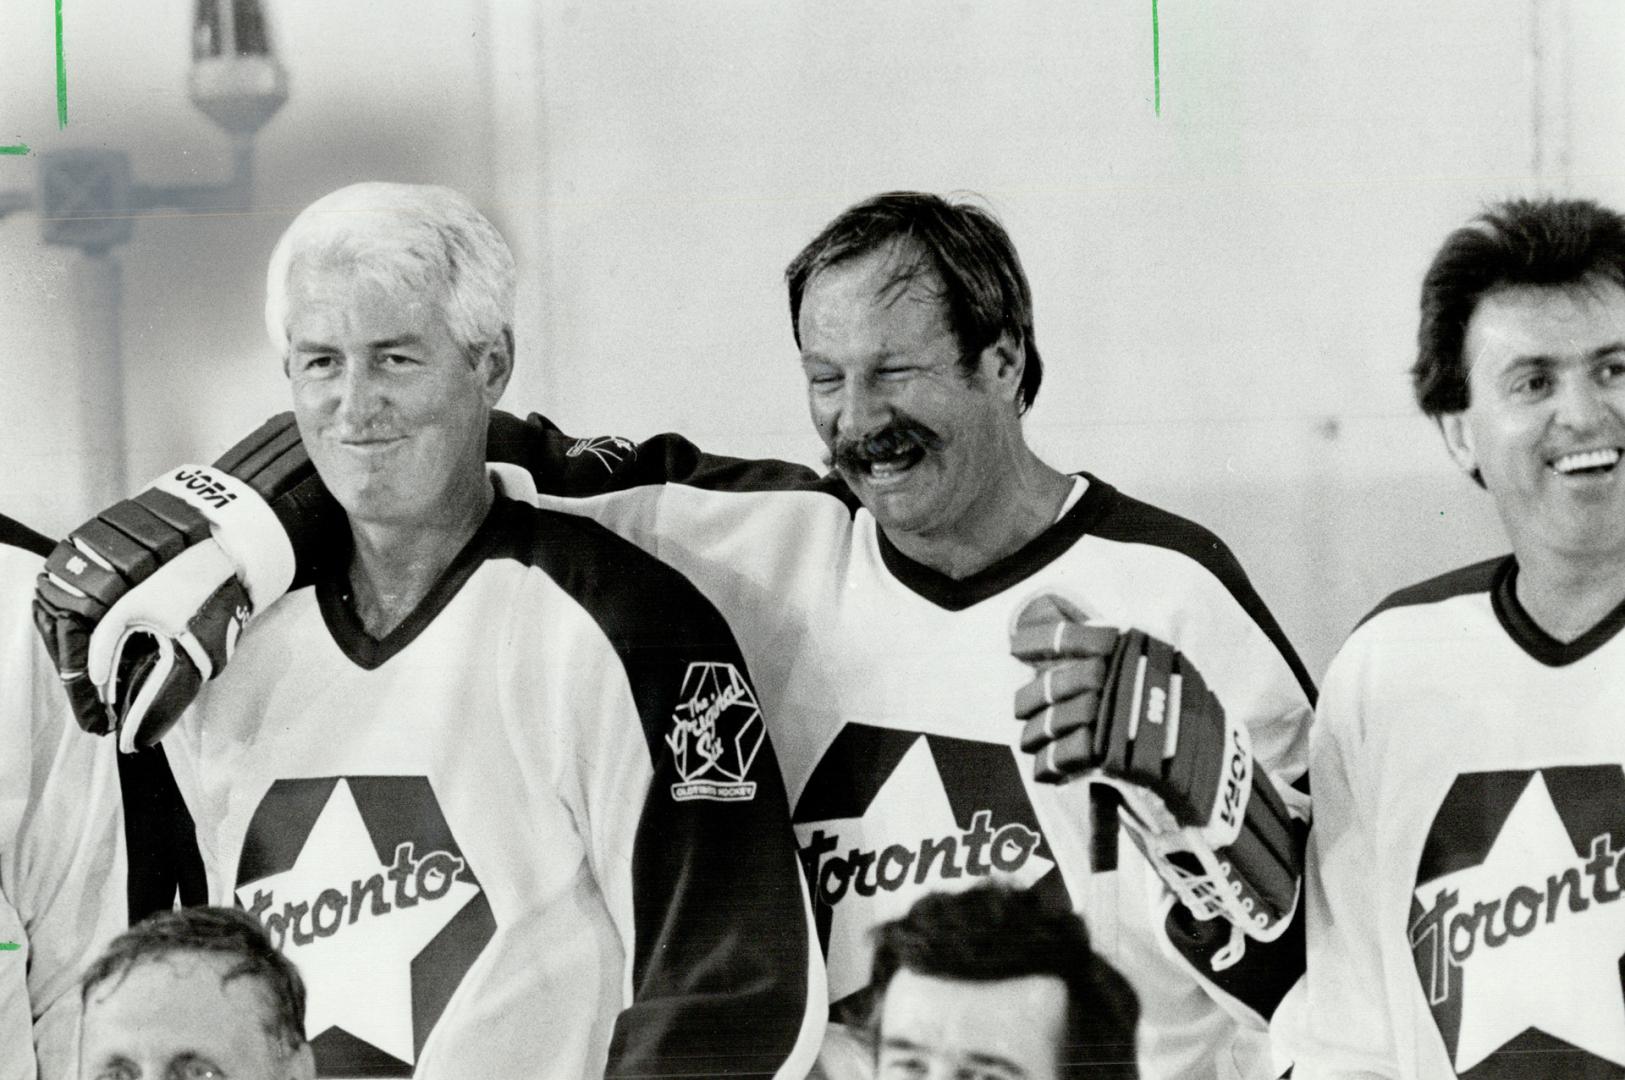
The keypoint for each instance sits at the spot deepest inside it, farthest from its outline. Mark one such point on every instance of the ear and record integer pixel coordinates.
(1003, 363)
(495, 367)
(1458, 439)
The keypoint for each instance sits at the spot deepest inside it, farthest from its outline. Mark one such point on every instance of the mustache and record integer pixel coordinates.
(902, 435)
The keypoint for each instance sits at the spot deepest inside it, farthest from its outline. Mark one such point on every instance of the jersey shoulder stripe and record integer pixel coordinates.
(1127, 520)
(561, 464)
(1462, 581)
(656, 620)
(1497, 579)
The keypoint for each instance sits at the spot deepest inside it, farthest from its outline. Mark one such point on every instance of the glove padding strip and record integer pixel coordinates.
(243, 524)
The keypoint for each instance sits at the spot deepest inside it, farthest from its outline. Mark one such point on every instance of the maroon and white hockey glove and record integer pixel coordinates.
(1128, 712)
(132, 659)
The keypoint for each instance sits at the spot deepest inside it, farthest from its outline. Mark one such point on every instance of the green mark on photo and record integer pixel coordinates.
(1156, 53)
(61, 75)
(20, 148)
(9, 946)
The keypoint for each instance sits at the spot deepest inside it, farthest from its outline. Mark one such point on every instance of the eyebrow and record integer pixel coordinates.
(182, 1060)
(995, 1061)
(400, 341)
(114, 1061)
(820, 358)
(1548, 359)
(190, 1057)
(975, 1057)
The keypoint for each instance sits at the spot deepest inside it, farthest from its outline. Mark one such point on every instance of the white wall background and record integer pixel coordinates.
(1225, 293)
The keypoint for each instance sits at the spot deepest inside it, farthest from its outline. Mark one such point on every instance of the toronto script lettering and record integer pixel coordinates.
(984, 849)
(415, 881)
(1445, 938)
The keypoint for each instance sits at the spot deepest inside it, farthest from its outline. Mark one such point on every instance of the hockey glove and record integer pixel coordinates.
(1129, 712)
(132, 660)
(117, 582)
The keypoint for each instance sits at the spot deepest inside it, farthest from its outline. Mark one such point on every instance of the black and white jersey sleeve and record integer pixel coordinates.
(686, 825)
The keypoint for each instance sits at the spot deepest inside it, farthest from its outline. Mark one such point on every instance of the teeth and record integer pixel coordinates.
(883, 469)
(1587, 459)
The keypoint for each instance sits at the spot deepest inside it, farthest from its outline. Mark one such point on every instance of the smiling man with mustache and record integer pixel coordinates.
(922, 417)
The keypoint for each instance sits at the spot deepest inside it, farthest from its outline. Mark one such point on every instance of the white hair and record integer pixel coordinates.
(412, 237)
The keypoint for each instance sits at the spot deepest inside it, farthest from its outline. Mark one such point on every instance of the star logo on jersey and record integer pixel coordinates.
(888, 816)
(360, 882)
(610, 450)
(716, 731)
(1517, 926)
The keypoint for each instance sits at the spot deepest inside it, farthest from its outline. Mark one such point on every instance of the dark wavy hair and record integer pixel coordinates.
(1546, 242)
(212, 931)
(992, 932)
(984, 288)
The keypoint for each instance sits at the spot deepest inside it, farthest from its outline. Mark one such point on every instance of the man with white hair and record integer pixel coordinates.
(494, 778)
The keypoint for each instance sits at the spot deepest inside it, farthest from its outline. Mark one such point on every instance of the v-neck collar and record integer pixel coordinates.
(368, 652)
(956, 594)
(1527, 634)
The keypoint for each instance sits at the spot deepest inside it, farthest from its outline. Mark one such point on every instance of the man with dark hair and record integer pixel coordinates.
(1520, 242)
(961, 247)
(194, 992)
(874, 606)
(995, 980)
(1464, 880)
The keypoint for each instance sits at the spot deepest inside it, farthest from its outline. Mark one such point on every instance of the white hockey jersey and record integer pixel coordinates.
(888, 690)
(62, 869)
(536, 831)
(1464, 882)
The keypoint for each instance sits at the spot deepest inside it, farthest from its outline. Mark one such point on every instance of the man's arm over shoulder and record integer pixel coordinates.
(566, 465)
(689, 832)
